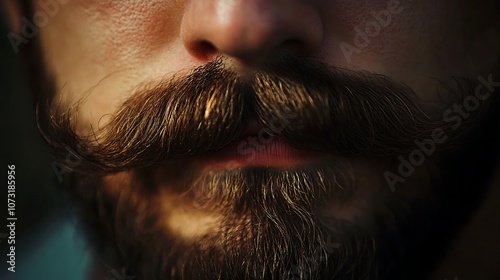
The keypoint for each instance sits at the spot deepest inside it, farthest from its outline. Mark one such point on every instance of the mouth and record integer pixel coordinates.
(256, 146)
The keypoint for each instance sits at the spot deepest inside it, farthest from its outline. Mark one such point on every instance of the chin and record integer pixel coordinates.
(328, 218)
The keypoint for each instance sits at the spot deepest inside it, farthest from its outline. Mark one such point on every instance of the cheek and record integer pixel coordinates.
(413, 42)
(135, 30)
(365, 34)
(376, 27)
(105, 48)
(110, 34)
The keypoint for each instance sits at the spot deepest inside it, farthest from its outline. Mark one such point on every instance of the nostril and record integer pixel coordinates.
(204, 50)
(250, 31)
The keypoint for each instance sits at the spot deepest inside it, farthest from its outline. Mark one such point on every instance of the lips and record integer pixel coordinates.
(256, 147)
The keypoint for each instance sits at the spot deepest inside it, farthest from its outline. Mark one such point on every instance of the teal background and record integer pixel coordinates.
(49, 245)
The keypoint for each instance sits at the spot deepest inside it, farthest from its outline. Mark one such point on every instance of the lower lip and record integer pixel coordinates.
(249, 151)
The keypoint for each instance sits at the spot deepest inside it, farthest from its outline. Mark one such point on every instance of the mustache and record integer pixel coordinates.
(308, 104)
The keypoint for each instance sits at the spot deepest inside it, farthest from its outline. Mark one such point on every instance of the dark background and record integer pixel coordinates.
(46, 245)
(21, 145)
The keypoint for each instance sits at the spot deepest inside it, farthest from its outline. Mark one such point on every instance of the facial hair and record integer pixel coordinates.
(309, 105)
(274, 226)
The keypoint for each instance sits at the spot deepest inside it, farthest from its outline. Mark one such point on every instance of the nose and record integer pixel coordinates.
(250, 30)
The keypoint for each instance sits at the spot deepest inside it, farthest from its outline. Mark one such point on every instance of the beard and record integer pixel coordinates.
(272, 223)
(333, 219)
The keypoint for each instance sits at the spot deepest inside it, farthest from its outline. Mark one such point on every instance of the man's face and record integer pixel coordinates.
(231, 138)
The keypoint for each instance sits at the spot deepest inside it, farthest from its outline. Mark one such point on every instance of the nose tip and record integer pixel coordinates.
(250, 30)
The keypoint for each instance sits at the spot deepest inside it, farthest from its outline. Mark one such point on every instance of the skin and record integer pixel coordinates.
(112, 47)
(107, 49)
